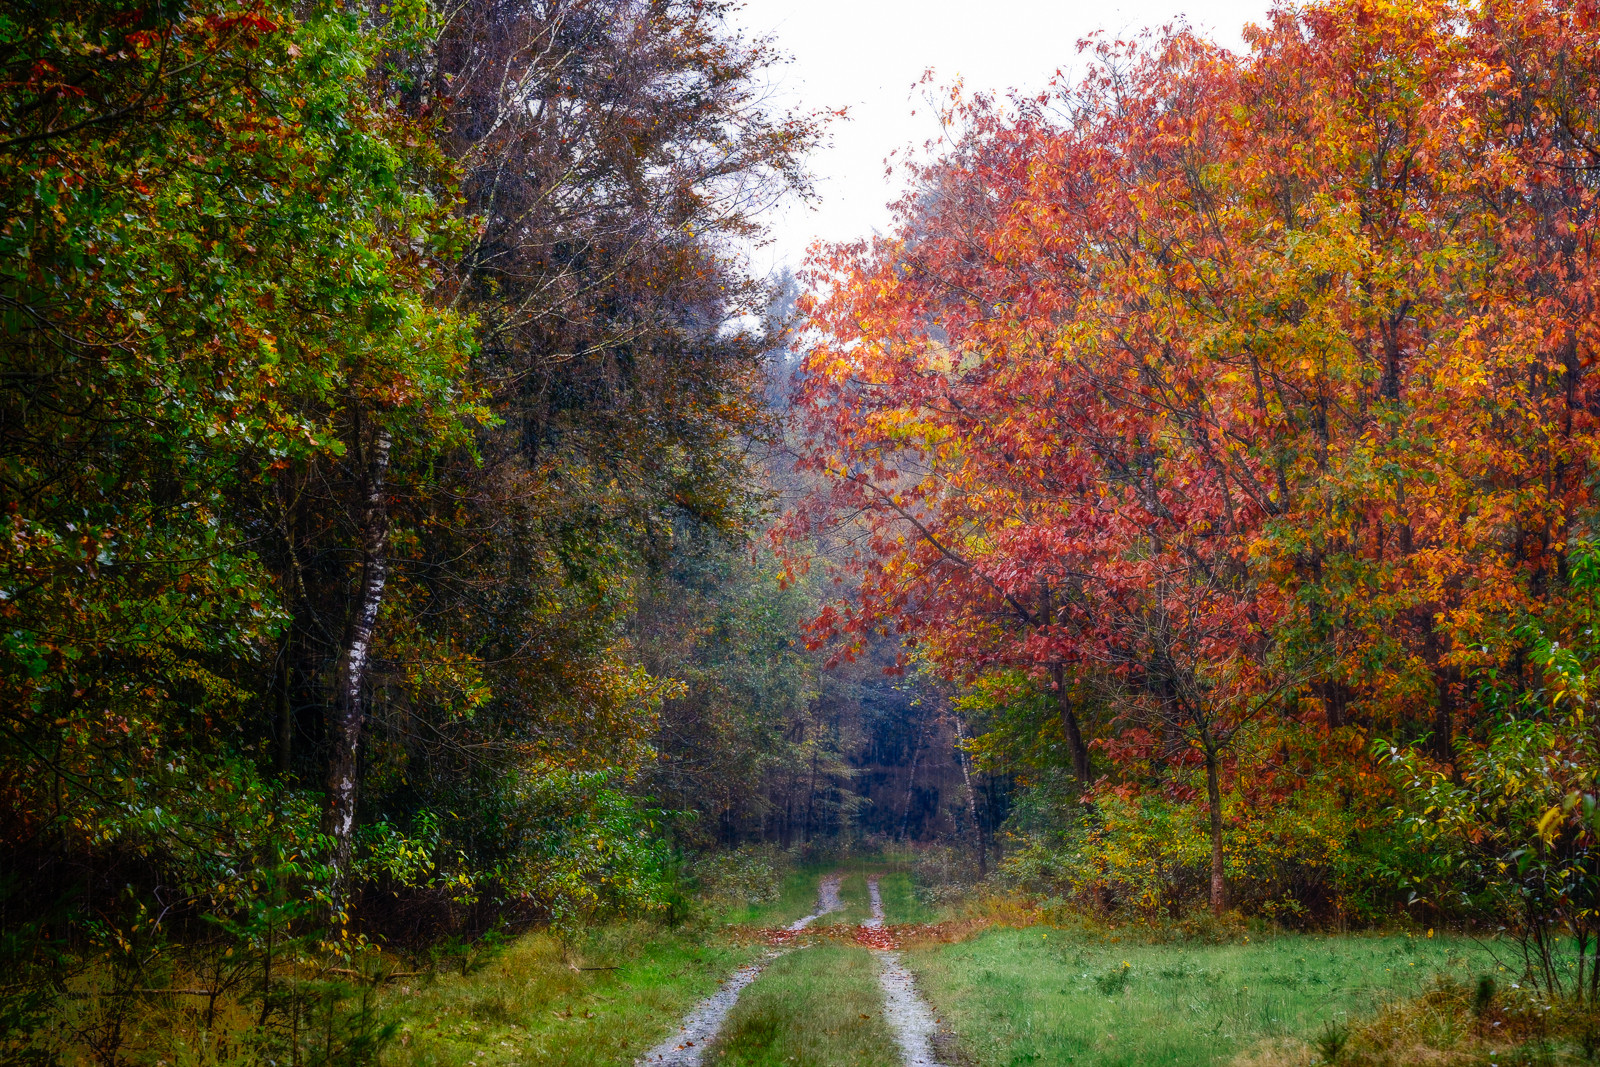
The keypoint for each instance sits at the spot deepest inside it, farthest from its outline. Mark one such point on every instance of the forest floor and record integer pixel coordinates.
(849, 968)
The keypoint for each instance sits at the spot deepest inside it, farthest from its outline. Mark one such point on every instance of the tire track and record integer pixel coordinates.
(907, 1014)
(700, 1027)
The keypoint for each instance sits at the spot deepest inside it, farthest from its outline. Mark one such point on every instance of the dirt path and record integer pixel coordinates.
(907, 1014)
(827, 900)
(688, 1046)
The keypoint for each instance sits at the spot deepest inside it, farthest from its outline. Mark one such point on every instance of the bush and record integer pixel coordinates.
(747, 876)
(1149, 858)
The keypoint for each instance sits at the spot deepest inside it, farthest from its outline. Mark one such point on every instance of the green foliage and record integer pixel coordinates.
(720, 621)
(1148, 856)
(744, 877)
(1511, 831)
(338, 483)
(203, 220)
(585, 848)
(1330, 1042)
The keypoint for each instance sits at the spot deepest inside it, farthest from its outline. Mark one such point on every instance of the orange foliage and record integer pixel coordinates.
(1245, 384)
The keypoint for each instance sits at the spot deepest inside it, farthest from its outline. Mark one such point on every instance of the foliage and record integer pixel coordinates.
(201, 272)
(742, 877)
(744, 724)
(335, 473)
(1512, 832)
(1228, 410)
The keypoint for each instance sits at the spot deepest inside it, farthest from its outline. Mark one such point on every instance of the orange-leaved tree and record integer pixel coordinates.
(1225, 385)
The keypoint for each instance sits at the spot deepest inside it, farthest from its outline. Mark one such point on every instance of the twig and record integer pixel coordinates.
(386, 978)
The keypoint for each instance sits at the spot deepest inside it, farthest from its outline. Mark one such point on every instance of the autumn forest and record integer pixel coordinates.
(450, 591)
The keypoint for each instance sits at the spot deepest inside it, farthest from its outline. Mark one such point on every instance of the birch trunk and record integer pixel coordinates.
(348, 713)
(972, 799)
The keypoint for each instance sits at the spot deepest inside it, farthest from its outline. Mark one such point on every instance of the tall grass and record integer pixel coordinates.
(598, 1002)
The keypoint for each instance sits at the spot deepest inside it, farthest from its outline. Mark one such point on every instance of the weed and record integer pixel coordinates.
(1483, 996)
(1536, 1053)
(1115, 980)
(492, 1009)
(755, 1036)
(1331, 1041)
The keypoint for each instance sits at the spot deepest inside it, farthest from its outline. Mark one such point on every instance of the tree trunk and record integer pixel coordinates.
(1219, 884)
(285, 712)
(1444, 725)
(911, 781)
(1069, 725)
(972, 799)
(348, 713)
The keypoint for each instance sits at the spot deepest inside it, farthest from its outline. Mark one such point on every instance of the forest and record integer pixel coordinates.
(450, 590)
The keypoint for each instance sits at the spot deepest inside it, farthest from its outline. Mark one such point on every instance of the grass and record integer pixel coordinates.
(797, 898)
(1045, 997)
(853, 895)
(814, 1007)
(1013, 996)
(1457, 1025)
(528, 1005)
(900, 901)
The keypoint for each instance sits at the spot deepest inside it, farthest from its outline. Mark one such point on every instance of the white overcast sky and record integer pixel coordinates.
(867, 54)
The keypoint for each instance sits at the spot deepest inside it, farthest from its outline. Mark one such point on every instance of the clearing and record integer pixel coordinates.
(837, 972)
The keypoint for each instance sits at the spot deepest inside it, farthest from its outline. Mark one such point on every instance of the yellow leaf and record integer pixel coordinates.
(1548, 819)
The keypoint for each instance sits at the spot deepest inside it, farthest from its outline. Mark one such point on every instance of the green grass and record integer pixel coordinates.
(1046, 997)
(900, 901)
(814, 1007)
(853, 895)
(528, 1006)
(797, 898)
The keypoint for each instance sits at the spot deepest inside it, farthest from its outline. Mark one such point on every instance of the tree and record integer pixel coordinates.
(1217, 377)
(207, 269)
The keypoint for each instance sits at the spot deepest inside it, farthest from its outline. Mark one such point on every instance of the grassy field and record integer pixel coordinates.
(1046, 997)
(814, 1007)
(528, 1005)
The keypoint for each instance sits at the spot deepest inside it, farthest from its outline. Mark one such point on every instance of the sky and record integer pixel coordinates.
(866, 55)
